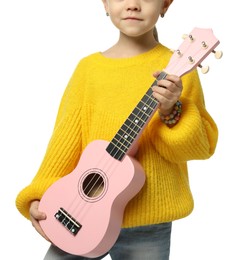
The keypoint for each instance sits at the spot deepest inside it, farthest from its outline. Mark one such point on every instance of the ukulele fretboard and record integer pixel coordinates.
(134, 124)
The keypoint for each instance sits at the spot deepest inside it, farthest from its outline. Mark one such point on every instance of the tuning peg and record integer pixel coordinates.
(179, 53)
(204, 69)
(204, 45)
(217, 54)
(190, 59)
(184, 36)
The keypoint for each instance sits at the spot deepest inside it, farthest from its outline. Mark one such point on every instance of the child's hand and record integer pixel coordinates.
(167, 92)
(35, 216)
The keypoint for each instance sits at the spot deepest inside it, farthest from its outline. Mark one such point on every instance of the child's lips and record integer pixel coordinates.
(133, 18)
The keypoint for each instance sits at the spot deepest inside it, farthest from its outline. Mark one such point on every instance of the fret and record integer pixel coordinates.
(120, 149)
(127, 130)
(144, 107)
(133, 125)
(136, 121)
(143, 112)
(121, 145)
(126, 137)
(150, 100)
(148, 106)
(115, 152)
(122, 137)
(140, 115)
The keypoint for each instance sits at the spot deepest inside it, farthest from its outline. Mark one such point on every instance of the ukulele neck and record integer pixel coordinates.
(134, 124)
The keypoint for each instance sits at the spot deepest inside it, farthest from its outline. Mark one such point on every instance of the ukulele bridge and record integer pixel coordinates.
(68, 221)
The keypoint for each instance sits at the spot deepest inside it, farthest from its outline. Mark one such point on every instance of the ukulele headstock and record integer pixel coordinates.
(193, 50)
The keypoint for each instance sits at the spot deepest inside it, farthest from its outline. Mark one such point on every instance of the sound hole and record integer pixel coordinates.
(93, 185)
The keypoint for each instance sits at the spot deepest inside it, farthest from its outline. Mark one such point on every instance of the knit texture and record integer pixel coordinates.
(101, 94)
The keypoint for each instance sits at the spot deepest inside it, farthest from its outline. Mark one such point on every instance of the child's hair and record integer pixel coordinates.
(155, 32)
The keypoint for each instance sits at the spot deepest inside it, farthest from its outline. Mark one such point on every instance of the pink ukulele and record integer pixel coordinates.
(85, 208)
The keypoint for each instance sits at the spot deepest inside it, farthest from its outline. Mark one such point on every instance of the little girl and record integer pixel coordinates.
(103, 90)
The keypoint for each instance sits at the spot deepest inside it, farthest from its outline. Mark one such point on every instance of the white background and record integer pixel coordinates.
(40, 44)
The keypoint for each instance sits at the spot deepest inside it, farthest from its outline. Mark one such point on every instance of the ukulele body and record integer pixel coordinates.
(85, 208)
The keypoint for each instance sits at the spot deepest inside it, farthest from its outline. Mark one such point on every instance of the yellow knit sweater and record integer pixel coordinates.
(101, 94)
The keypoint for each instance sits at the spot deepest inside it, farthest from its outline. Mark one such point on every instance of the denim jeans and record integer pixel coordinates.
(150, 242)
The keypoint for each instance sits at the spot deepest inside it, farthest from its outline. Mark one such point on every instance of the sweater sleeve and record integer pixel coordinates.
(64, 148)
(196, 134)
